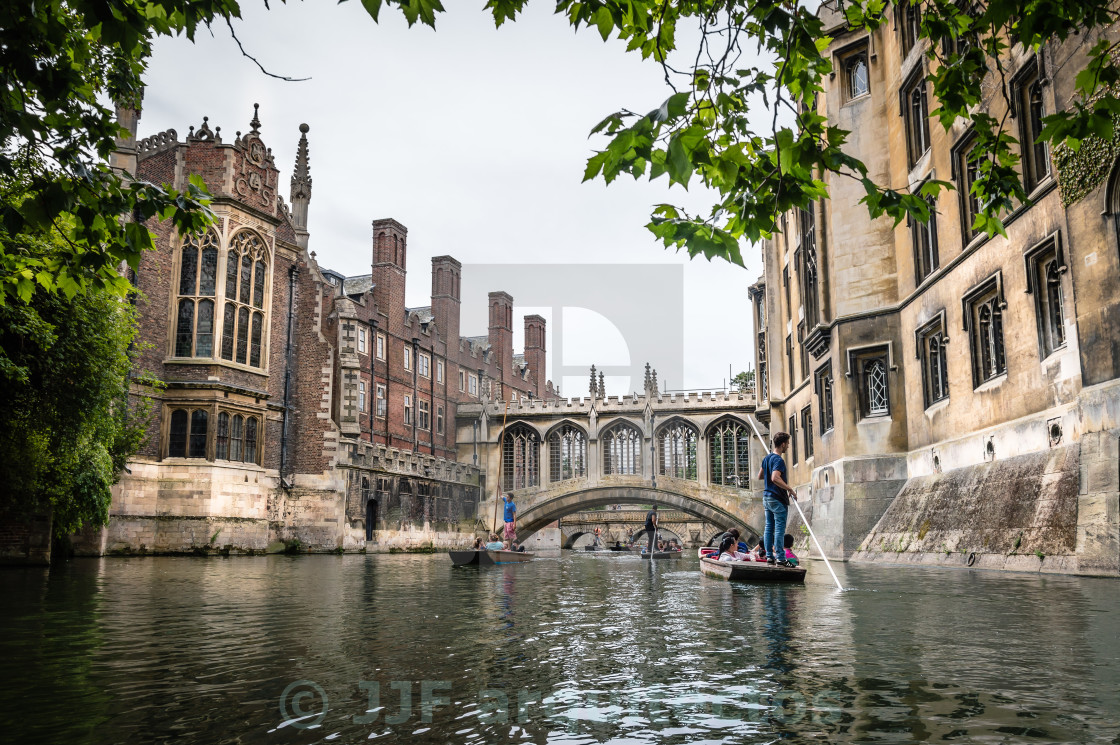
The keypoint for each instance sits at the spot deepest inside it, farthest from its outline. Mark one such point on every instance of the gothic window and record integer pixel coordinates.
(925, 243)
(1045, 266)
(807, 430)
(857, 81)
(803, 350)
(194, 316)
(243, 314)
(910, 24)
(793, 440)
(871, 368)
(250, 452)
(1035, 157)
(789, 360)
(236, 425)
(520, 458)
(809, 290)
(933, 353)
(676, 451)
(915, 112)
(763, 382)
(824, 396)
(222, 450)
(729, 454)
(567, 451)
(968, 172)
(622, 451)
(187, 435)
(983, 310)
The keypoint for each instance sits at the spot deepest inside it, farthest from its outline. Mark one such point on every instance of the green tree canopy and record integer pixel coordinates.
(741, 117)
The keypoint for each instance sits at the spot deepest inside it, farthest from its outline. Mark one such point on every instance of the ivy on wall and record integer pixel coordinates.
(1080, 172)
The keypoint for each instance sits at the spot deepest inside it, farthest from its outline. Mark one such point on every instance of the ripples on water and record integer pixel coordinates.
(579, 649)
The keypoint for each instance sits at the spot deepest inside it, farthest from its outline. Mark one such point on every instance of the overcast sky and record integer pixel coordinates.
(475, 139)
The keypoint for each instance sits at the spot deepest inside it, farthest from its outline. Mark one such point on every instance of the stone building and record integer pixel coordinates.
(953, 398)
(296, 405)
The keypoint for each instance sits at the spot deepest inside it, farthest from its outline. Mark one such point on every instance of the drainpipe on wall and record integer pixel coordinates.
(293, 270)
(415, 393)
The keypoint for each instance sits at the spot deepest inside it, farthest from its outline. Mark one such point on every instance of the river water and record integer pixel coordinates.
(576, 649)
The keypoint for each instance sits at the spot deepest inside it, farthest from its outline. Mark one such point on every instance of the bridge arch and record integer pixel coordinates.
(537, 514)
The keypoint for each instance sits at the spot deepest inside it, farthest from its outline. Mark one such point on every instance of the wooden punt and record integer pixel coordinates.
(750, 571)
(489, 558)
(663, 554)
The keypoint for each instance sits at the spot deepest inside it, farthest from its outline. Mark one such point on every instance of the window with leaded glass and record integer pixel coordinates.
(824, 386)
(803, 351)
(243, 311)
(194, 312)
(809, 289)
(924, 236)
(1030, 110)
(807, 430)
(983, 312)
(934, 356)
(857, 79)
(520, 458)
(1045, 267)
(622, 450)
(909, 24)
(676, 451)
(915, 112)
(567, 453)
(968, 172)
(729, 453)
(871, 368)
(793, 440)
(187, 433)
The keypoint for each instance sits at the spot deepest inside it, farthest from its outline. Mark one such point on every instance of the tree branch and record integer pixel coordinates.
(257, 62)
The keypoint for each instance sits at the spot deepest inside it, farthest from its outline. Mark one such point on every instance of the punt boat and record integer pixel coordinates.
(489, 558)
(748, 571)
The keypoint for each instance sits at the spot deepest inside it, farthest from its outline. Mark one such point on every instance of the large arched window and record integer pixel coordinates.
(243, 314)
(194, 311)
(520, 458)
(729, 454)
(622, 450)
(567, 451)
(676, 451)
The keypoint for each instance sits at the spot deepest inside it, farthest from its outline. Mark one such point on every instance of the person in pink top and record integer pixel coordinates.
(791, 557)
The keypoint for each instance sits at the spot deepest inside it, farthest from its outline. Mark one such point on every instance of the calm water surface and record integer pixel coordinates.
(578, 649)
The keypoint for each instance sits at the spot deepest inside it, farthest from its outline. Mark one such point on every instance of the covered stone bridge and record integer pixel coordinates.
(693, 452)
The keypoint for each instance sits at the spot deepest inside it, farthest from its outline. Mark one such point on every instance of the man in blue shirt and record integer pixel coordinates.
(508, 515)
(775, 499)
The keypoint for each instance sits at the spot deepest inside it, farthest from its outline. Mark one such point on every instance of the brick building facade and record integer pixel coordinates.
(296, 404)
(954, 398)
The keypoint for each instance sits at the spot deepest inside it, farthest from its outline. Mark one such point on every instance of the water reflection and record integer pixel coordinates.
(576, 649)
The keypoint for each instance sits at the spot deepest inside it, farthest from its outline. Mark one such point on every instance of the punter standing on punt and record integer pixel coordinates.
(651, 529)
(775, 499)
(509, 515)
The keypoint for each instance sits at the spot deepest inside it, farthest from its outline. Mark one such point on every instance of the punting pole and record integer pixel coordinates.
(501, 457)
(827, 563)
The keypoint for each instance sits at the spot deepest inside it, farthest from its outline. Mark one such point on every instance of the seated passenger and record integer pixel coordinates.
(729, 541)
(791, 557)
(477, 544)
(760, 551)
(495, 544)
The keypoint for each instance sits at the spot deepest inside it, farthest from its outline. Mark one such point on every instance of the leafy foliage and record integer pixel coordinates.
(713, 128)
(65, 425)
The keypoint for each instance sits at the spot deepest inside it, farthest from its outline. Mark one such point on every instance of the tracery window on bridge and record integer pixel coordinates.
(567, 449)
(520, 458)
(622, 451)
(676, 451)
(729, 454)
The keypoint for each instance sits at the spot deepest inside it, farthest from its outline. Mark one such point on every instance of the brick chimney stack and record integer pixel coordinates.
(501, 333)
(535, 353)
(389, 268)
(446, 301)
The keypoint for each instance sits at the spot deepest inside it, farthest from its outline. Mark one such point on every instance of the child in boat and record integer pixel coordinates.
(791, 557)
(495, 544)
